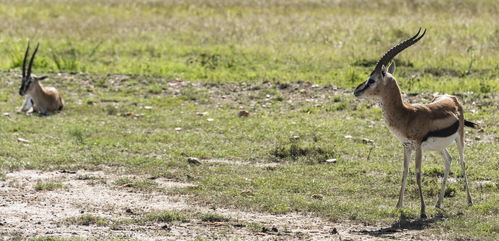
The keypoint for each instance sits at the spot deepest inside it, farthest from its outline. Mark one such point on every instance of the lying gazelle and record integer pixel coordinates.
(419, 127)
(42, 100)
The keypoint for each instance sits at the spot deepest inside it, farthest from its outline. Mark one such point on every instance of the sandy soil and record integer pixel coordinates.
(26, 212)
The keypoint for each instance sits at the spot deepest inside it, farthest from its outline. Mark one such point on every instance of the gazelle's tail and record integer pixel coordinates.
(471, 124)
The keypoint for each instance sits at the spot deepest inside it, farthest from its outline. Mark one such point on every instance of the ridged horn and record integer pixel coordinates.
(390, 54)
(32, 59)
(24, 60)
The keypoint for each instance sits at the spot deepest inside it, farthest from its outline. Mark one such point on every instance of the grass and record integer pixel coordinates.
(145, 184)
(213, 217)
(87, 220)
(143, 219)
(217, 41)
(48, 186)
(116, 57)
(166, 217)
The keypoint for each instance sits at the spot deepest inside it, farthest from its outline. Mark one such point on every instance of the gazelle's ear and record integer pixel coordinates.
(42, 78)
(383, 71)
(391, 68)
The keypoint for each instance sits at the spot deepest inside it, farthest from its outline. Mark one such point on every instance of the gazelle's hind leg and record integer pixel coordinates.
(419, 156)
(460, 147)
(447, 159)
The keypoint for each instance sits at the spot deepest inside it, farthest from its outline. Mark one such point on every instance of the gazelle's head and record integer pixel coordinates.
(382, 76)
(28, 80)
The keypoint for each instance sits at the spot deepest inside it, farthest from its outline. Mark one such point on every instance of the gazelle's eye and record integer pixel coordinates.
(371, 81)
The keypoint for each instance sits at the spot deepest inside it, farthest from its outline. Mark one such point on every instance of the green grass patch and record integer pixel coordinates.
(141, 184)
(48, 185)
(87, 220)
(213, 41)
(213, 217)
(165, 217)
(48, 238)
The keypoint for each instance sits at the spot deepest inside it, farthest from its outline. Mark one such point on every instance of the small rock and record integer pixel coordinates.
(247, 192)
(148, 107)
(283, 86)
(67, 171)
(22, 140)
(274, 229)
(295, 137)
(202, 113)
(178, 129)
(243, 113)
(367, 141)
(129, 211)
(193, 160)
(331, 160)
(6, 114)
(317, 196)
(348, 137)
(210, 119)
(334, 231)
(165, 228)
(477, 138)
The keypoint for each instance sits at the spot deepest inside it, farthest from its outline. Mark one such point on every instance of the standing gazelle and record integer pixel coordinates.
(42, 100)
(419, 127)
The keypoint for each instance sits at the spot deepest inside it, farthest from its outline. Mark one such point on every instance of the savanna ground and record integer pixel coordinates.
(149, 84)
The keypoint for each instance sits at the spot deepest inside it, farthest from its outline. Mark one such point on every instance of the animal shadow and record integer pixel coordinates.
(404, 224)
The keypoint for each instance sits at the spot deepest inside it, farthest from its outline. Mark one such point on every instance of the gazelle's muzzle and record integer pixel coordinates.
(24, 88)
(360, 88)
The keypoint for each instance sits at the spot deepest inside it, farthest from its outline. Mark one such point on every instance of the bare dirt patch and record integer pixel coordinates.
(28, 212)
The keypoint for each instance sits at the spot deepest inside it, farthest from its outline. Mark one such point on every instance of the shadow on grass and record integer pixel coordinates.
(401, 226)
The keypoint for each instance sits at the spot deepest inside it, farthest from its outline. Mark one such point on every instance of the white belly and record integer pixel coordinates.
(438, 143)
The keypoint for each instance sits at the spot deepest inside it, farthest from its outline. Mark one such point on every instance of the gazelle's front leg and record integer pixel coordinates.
(419, 158)
(447, 160)
(407, 157)
(27, 105)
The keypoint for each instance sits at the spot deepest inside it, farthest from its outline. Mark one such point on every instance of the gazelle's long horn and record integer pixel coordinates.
(32, 59)
(390, 54)
(24, 60)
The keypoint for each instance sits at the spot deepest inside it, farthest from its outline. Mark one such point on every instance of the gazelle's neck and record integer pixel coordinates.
(37, 90)
(393, 106)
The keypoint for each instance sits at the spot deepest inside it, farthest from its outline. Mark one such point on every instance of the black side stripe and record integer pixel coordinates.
(448, 131)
